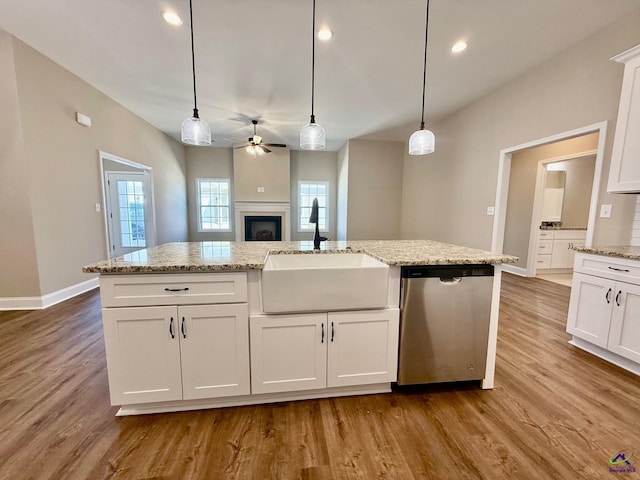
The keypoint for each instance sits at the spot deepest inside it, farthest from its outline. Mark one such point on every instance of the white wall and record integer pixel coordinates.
(343, 192)
(446, 194)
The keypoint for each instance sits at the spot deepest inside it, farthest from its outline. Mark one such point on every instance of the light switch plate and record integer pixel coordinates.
(97, 207)
(260, 189)
(605, 210)
(491, 210)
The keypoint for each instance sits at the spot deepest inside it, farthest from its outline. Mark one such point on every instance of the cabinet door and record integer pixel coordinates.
(143, 354)
(590, 308)
(624, 337)
(624, 173)
(288, 352)
(214, 344)
(363, 347)
(560, 254)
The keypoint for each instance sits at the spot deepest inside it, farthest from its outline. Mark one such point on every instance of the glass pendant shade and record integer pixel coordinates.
(312, 137)
(196, 132)
(422, 142)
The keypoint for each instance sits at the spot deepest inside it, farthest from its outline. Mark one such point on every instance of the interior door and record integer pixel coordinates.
(129, 212)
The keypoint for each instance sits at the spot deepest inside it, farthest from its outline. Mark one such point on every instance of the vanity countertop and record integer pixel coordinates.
(563, 228)
(622, 251)
(229, 256)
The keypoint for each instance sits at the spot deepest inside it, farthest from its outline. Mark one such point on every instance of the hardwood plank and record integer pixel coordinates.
(556, 412)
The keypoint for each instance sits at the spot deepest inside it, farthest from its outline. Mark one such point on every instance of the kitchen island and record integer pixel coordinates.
(185, 327)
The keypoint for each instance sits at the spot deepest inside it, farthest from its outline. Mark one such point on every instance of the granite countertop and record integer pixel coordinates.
(228, 256)
(621, 251)
(563, 228)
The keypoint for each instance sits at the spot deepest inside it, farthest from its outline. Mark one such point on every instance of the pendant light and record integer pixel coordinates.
(312, 135)
(194, 130)
(422, 142)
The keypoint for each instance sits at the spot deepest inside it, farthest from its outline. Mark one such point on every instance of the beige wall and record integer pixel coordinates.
(268, 171)
(209, 162)
(374, 190)
(577, 191)
(446, 194)
(342, 192)
(522, 185)
(19, 268)
(62, 171)
(319, 167)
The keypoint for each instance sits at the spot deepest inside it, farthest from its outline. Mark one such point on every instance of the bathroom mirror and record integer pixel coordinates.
(553, 195)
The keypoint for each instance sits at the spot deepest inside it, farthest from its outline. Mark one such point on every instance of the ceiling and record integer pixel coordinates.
(253, 57)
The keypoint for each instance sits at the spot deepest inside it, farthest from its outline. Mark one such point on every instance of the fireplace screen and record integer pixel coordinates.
(262, 228)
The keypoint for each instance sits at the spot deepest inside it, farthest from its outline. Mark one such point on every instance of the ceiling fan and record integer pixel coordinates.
(255, 146)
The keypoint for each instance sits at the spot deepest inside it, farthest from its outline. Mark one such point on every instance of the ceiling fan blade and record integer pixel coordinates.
(282, 145)
(264, 149)
(244, 145)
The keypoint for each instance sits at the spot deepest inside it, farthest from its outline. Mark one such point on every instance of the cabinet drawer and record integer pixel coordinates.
(545, 246)
(570, 235)
(173, 289)
(545, 235)
(613, 268)
(543, 261)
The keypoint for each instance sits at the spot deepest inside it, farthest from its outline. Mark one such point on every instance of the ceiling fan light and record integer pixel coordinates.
(422, 142)
(196, 132)
(312, 137)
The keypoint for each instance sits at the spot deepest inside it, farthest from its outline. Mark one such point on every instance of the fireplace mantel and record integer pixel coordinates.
(267, 209)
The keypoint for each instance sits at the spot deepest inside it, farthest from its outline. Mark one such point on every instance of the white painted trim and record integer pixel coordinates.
(492, 342)
(504, 171)
(242, 209)
(510, 268)
(229, 205)
(45, 301)
(185, 405)
(627, 55)
(610, 357)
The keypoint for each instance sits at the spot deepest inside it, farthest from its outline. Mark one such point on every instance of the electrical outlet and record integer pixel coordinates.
(491, 210)
(605, 210)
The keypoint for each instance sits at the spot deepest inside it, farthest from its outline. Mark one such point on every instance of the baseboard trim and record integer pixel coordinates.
(45, 301)
(515, 270)
(625, 363)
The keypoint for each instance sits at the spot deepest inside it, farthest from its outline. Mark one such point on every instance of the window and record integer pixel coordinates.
(307, 191)
(214, 204)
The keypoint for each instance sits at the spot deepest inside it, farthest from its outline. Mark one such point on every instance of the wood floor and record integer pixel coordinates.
(556, 413)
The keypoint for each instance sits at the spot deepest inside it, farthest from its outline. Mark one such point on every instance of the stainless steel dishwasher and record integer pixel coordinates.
(444, 323)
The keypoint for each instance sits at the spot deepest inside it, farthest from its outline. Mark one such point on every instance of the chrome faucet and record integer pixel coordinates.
(314, 219)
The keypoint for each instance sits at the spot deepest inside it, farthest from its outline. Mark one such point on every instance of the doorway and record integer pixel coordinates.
(128, 201)
(532, 211)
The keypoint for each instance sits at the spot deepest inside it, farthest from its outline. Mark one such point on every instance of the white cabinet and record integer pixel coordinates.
(624, 336)
(167, 353)
(590, 308)
(320, 350)
(604, 308)
(555, 247)
(624, 173)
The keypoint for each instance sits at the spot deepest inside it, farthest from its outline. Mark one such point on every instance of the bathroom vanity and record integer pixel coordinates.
(214, 324)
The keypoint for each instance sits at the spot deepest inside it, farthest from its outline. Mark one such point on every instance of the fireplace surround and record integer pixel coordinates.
(270, 221)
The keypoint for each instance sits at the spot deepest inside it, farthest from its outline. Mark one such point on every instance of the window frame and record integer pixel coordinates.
(327, 184)
(199, 206)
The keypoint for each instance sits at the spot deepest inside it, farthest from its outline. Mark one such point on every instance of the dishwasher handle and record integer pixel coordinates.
(450, 280)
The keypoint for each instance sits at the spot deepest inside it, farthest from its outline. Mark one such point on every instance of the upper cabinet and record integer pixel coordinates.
(624, 175)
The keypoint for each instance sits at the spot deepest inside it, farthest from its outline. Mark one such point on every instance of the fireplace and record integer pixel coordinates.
(262, 221)
(262, 228)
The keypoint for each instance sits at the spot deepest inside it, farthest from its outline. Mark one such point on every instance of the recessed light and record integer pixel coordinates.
(171, 17)
(325, 33)
(460, 46)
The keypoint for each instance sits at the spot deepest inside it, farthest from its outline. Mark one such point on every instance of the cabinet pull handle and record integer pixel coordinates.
(332, 331)
(618, 297)
(322, 339)
(185, 289)
(608, 296)
(184, 334)
(171, 328)
(618, 269)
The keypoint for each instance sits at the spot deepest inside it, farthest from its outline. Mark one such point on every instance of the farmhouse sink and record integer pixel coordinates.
(323, 282)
